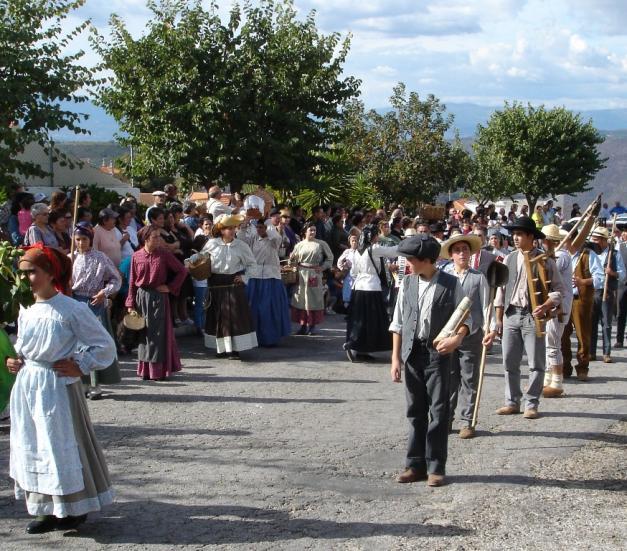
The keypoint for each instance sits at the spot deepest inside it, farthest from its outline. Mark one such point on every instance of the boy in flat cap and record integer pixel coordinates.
(426, 301)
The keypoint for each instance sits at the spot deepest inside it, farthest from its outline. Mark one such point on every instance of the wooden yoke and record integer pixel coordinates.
(538, 286)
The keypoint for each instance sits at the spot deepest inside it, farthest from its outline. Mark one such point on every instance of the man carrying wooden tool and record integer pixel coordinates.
(604, 292)
(532, 293)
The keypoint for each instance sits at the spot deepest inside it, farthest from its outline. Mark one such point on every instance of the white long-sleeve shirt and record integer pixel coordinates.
(265, 250)
(365, 273)
(230, 258)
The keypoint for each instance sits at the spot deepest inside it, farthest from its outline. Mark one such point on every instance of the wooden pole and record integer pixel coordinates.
(610, 250)
(77, 193)
(484, 354)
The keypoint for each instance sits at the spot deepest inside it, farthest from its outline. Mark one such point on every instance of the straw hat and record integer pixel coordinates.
(226, 221)
(600, 231)
(553, 233)
(474, 242)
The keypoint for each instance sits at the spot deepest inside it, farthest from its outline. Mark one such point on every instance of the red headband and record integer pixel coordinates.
(52, 261)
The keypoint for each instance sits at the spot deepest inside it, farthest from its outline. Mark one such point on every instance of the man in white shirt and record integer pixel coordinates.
(215, 207)
(603, 310)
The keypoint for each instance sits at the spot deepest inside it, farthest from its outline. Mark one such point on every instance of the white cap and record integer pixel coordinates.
(158, 193)
(39, 197)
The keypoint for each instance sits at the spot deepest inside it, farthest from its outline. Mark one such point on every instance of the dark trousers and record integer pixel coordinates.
(427, 392)
(602, 312)
(622, 314)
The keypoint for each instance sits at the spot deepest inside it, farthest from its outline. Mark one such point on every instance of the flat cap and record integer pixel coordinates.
(420, 246)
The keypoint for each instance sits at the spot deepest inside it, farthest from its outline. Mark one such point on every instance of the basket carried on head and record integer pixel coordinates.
(201, 270)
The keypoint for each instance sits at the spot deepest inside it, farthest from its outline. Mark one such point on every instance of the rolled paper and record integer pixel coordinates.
(459, 316)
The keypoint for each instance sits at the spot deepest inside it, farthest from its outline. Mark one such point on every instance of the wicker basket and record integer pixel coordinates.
(289, 275)
(201, 270)
(134, 321)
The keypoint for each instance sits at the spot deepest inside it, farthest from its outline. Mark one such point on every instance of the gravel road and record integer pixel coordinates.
(296, 448)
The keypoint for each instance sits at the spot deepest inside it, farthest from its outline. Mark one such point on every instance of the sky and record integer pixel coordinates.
(556, 52)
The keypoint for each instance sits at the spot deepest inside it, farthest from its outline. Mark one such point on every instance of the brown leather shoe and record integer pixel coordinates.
(582, 376)
(607, 360)
(551, 392)
(435, 480)
(531, 413)
(508, 410)
(467, 432)
(411, 475)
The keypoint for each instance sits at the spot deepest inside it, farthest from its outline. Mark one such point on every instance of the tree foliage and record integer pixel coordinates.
(534, 151)
(35, 76)
(248, 100)
(404, 152)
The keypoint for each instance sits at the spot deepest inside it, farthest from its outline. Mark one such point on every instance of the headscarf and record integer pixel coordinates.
(365, 238)
(85, 231)
(52, 261)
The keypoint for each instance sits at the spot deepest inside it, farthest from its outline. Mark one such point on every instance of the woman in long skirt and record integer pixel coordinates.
(155, 273)
(56, 461)
(266, 293)
(229, 327)
(312, 257)
(95, 280)
(367, 325)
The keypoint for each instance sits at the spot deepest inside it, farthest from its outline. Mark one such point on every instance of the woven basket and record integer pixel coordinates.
(201, 270)
(134, 321)
(289, 276)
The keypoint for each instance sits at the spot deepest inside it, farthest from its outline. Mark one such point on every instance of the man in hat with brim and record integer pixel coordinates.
(427, 299)
(466, 359)
(515, 320)
(554, 375)
(603, 310)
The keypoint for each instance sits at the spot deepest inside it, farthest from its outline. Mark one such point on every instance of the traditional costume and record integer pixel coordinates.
(368, 322)
(466, 359)
(158, 355)
(266, 293)
(229, 327)
(56, 462)
(308, 300)
(422, 310)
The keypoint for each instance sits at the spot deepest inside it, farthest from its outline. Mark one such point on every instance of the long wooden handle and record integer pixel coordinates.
(77, 193)
(484, 354)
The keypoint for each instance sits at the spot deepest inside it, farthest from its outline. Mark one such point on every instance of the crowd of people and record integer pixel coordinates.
(247, 268)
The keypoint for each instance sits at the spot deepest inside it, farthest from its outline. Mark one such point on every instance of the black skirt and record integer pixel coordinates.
(368, 326)
(228, 322)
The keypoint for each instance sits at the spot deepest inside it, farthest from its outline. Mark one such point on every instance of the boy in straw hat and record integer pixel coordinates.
(466, 359)
(554, 374)
(515, 320)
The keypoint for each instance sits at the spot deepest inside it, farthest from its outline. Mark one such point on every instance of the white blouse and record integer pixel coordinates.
(366, 273)
(230, 258)
(266, 251)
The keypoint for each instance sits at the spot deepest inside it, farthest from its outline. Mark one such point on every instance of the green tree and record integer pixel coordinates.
(404, 153)
(537, 152)
(35, 76)
(249, 100)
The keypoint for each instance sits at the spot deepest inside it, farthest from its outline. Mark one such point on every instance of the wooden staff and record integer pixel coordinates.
(77, 193)
(494, 282)
(608, 262)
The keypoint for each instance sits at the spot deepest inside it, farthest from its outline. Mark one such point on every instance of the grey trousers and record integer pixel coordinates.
(602, 312)
(519, 334)
(465, 377)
